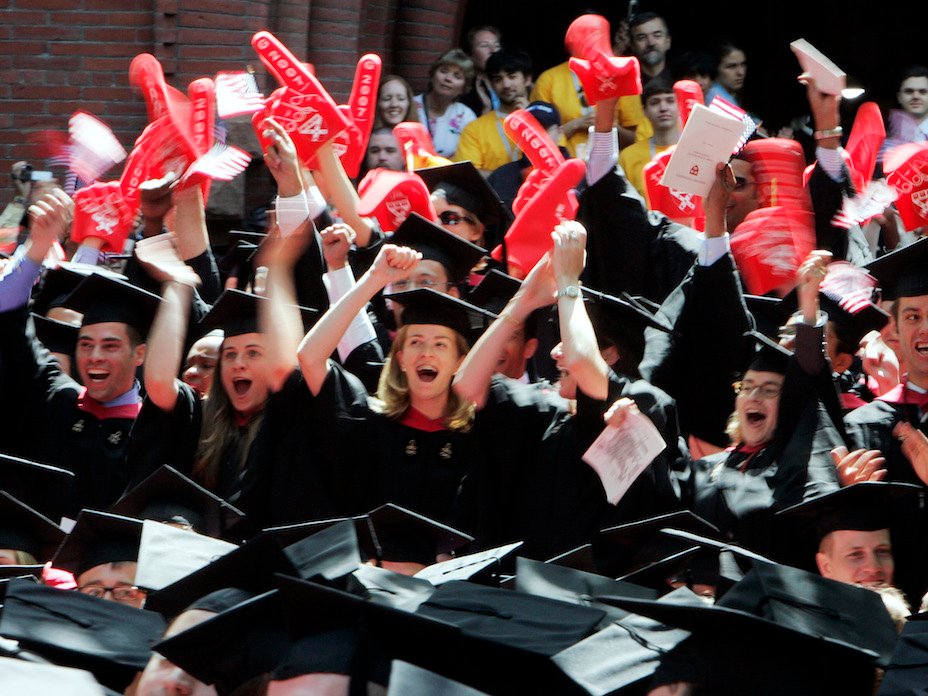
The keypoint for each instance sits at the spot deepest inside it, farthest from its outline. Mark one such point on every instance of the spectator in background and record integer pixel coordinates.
(383, 151)
(660, 106)
(697, 66)
(394, 102)
(650, 42)
(910, 123)
(482, 42)
(439, 109)
(731, 69)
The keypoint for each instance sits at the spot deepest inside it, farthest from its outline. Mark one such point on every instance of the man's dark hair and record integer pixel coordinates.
(695, 62)
(656, 85)
(643, 17)
(507, 60)
(912, 71)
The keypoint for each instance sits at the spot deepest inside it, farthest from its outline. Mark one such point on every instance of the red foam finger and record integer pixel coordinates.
(685, 208)
(606, 77)
(588, 34)
(202, 93)
(101, 211)
(391, 196)
(529, 237)
(688, 94)
(533, 140)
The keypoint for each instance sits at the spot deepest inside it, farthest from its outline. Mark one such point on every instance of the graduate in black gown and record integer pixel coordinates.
(410, 445)
(82, 427)
(782, 436)
(533, 485)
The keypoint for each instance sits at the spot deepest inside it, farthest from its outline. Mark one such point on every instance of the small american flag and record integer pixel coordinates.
(221, 162)
(237, 93)
(724, 107)
(871, 201)
(849, 286)
(93, 148)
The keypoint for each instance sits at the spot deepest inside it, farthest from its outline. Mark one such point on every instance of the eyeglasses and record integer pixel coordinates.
(449, 217)
(121, 593)
(429, 283)
(764, 391)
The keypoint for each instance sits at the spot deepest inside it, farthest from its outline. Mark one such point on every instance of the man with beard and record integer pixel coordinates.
(650, 42)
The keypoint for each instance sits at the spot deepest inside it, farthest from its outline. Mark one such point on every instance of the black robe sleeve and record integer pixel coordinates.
(697, 363)
(631, 249)
(827, 199)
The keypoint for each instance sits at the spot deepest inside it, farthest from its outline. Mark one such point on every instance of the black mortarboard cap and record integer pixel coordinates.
(169, 553)
(103, 299)
(787, 606)
(231, 648)
(576, 586)
(98, 538)
(579, 558)
(366, 542)
(48, 489)
(169, 496)
(404, 535)
(494, 291)
(324, 636)
(57, 336)
(24, 529)
(463, 185)
(8, 572)
(58, 283)
(250, 567)
(853, 325)
(904, 272)
(656, 575)
(330, 553)
(484, 567)
(427, 306)
(109, 639)
(435, 243)
(866, 506)
(236, 313)
(633, 545)
(768, 356)
(621, 321)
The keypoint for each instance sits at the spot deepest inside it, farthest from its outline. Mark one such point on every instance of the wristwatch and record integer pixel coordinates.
(570, 291)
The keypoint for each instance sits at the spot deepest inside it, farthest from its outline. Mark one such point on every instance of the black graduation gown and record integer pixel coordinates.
(740, 492)
(535, 487)
(697, 363)
(827, 199)
(384, 461)
(59, 433)
(871, 426)
(629, 248)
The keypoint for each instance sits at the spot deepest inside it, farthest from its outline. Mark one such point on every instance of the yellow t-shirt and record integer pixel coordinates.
(559, 86)
(633, 159)
(485, 143)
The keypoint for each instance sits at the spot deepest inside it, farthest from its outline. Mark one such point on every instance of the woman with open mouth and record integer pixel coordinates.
(409, 445)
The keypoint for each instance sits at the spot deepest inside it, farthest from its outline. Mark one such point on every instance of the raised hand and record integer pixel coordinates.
(914, 447)
(336, 243)
(281, 158)
(49, 217)
(859, 465)
(569, 253)
(394, 263)
(159, 257)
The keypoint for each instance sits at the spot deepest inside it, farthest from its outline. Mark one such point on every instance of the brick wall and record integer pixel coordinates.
(58, 56)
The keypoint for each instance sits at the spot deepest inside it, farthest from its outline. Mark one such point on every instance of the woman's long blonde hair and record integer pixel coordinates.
(393, 390)
(218, 432)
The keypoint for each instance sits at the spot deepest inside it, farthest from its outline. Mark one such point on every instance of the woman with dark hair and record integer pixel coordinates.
(730, 70)
(449, 77)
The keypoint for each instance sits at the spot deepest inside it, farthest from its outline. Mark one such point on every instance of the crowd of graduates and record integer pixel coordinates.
(353, 452)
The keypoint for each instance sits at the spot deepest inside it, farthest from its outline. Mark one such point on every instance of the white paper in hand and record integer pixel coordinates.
(167, 554)
(829, 78)
(619, 455)
(708, 138)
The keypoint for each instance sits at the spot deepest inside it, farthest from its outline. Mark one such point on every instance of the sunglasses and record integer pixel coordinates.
(449, 217)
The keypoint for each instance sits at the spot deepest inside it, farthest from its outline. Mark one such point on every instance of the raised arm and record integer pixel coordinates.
(279, 317)
(472, 380)
(342, 194)
(579, 345)
(161, 260)
(393, 263)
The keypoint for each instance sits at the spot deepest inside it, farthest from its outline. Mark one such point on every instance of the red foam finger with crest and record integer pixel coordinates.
(101, 211)
(157, 152)
(349, 146)
(533, 140)
(305, 109)
(685, 208)
(391, 196)
(587, 35)
(769, 245)
(607, 77)
(413, 137)
(689, 94)
(362, 106)
(908, 175)
(529, 237)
